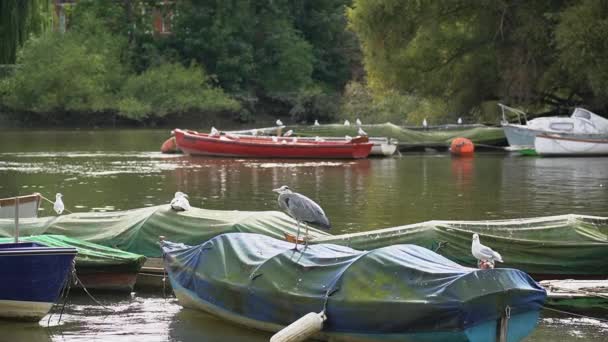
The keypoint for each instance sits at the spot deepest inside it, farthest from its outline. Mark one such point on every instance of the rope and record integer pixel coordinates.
(574, 314)
(48, 200)
(89, 294)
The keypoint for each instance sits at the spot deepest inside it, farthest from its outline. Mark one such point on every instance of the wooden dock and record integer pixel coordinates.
(577, 294)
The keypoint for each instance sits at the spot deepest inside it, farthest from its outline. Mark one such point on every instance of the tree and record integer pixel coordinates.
(19, 19)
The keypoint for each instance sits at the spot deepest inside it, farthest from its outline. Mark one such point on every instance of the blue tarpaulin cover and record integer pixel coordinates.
(399, 289)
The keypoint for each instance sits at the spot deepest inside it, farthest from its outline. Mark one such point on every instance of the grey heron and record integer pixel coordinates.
(302, 209)
(58, 205)
(180, 202)
(484, 253)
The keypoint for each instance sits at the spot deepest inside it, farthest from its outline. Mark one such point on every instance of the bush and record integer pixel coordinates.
(171, 88)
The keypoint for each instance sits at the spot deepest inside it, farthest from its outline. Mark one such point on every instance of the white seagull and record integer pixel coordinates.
(279, 122)
(424, 124)
(58, 206)
(317, 123)
(214, 132)
(358, 122)
(348, 138)
(346, 123)
(460, 121)
(361, 132)
(180, 202)
(483, 253)
(288, 133)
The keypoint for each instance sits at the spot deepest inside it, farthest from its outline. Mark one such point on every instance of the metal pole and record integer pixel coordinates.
(16, 219)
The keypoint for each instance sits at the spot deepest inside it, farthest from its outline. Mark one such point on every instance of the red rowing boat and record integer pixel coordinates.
(195, 143)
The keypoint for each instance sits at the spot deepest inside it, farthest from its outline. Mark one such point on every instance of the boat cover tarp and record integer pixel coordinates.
(394, 289)
(90, 256)
(479, 135)
(138, 230)
(556, 245)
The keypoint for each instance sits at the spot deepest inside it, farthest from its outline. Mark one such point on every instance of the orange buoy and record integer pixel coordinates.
(462, 147)
(169, 146)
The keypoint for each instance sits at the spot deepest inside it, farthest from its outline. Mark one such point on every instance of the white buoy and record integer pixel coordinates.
(302, 329)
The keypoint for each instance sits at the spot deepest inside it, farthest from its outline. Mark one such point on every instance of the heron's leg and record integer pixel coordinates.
(306, 236)
(297, 236)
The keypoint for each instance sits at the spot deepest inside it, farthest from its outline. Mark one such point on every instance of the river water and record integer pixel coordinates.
(106, 170)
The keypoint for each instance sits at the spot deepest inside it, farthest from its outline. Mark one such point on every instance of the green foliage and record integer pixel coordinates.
(171, 88)
(464, 53)
(583, 48)
(72, 72)
(19, 19)
(359, 101)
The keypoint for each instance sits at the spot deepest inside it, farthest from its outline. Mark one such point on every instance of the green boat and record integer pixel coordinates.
(98, 267)
(409, 138)
(555, 247)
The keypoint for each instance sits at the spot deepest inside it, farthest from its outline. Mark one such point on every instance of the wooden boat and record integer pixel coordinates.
(28, 206)
(399, 292)
(556, 145)
(195, 143)
(585, 295)
(97, 267)
(32, 276)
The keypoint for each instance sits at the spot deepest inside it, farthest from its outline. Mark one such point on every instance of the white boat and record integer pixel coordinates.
(28, 206)
(581, 124)
(557, 145)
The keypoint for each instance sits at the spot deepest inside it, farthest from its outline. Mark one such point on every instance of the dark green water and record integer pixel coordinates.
(122, 169)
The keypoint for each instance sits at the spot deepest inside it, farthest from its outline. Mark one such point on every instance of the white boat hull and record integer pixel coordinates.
(24, 310)
(550, 145)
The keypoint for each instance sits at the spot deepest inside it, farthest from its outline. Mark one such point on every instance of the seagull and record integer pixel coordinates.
(317, 123)
(348, 138)
(460, 121)
(424, 124)
(279, 122)
(180, 202)
(214, 132)
(483, 253)
(361, 132)
(358, 122)
(58, 206)
(346, 123)
(288, 133)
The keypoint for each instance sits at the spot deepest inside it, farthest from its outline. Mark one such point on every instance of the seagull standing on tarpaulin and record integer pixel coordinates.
(424, 123)
(361, 132)
(58, 205)
(302, 209)
(483, 253)
(358, 122)
(460, 121)
(279, 122)
(346, 123)
(214, 132)
(288, 133)
(180, 202)
(317, 123)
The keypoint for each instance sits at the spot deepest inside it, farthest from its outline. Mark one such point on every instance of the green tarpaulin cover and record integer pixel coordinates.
(90, 255)
(138, 230)
(558, 245)
(479, 134)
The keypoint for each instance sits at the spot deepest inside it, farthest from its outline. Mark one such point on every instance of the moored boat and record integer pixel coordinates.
(28, 206)
(556, 145)
(400, 292)
(581, 124)
(97, 267)
(195, 143)
(32, 276)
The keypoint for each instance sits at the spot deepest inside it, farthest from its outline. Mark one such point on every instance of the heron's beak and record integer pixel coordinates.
(276, 190)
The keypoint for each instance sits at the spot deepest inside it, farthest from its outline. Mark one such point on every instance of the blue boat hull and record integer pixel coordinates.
(32, 278)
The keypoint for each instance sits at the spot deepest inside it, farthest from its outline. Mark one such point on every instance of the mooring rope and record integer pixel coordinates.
(574, 314)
